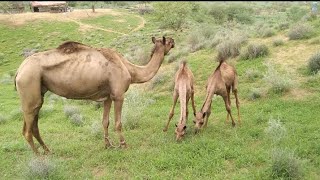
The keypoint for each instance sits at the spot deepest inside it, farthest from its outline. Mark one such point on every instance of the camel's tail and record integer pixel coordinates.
(183, 64)
(15, 85)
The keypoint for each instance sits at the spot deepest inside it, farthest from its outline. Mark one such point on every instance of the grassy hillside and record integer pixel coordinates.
(279, 96)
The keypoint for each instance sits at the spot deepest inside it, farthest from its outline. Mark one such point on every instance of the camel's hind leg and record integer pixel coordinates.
(29, 89)
(229, 101)
(235, 92)
(228, 108)
(105, 121)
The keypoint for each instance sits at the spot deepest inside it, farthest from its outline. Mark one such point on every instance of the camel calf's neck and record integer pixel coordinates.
(184, 89)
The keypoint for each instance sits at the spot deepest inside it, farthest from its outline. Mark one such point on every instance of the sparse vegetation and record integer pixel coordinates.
(278, 42)
(278, 82)
(300, 31)
(285, 147)
(255, 51)
(285, 165)
(314, 63)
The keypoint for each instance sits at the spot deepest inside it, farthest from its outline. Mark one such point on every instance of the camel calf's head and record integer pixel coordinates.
(199, 120)
(180, 131)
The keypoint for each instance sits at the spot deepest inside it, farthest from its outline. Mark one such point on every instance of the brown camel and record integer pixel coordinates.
(220, 83)
(76, 71)
(183, 89)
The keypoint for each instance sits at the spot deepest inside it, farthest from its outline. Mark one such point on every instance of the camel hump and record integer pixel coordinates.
(72, 46)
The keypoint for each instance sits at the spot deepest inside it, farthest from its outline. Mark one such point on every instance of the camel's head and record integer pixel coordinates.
(180, 131)
(168, 43)
(199, 120)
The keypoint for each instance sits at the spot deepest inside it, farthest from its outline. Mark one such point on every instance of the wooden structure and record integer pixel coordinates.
(49, 6)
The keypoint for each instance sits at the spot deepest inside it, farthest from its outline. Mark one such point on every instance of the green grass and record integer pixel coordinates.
(218, 152)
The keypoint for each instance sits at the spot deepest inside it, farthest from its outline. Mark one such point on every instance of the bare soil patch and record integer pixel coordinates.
(23, 18)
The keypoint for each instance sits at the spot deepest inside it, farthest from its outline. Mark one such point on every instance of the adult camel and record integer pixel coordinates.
(77, 71)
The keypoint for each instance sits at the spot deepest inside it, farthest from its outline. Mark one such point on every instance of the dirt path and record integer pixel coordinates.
(74, 16)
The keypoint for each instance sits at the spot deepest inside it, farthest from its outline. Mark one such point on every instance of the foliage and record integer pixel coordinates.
(172, 15)
(300, 31)
(277, 42)
(295, 13)
(278, 82)
(255, 51)
(314, 63)
(285, 165)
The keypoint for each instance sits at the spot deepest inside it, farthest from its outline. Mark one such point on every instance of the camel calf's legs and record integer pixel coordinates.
(175, 98)
(105, 121)
(235, 92)
(228, 108)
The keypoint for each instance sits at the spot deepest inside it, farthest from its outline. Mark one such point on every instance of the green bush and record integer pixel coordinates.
(254, 94)
(255, 51)
(285, 165)
(228, 49)
(172, 15)
(252, 74)
(277, 42)
(278, 82)
(231, 12)
(295, 13)
(40, 167)
(300, 31)
(266, 32)
(314, 63)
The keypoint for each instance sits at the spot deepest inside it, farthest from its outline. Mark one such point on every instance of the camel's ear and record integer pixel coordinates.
(204, 114)
(176, 125)
(184, 127)
(163, 40)
(153, 40)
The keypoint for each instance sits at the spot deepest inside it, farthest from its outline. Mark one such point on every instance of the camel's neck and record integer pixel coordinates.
(141, 74)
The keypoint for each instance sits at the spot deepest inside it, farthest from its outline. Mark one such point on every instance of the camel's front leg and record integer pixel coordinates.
(175, 98)
(105, 121)
(118, 109)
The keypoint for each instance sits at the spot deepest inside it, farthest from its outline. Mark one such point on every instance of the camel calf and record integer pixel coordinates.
(183, 89)
(220, 83)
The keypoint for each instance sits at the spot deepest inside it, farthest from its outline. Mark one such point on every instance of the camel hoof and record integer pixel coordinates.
(164, 130)
(233, 124)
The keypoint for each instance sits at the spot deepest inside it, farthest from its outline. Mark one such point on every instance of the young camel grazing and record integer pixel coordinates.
(220, 83)
(76, 71)
(183, 89)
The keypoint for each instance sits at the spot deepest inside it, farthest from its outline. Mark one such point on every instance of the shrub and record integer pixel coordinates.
(314, 63)
(255, 51)
(279, 83)
(254, 94)
(28, 52)
(300, 31)
(77, 119)
(228, 49)
(285, 165)
(6, 79)
(277, 42)
(177, 54)
(295, 13)
(97, 129)
(3, 119)
(275, 130)
(266, 32)
(71, 110)
(40, 167)
(283, 26)
(252, 74)
(172, 14)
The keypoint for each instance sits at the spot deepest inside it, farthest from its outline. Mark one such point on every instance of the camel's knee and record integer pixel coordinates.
(118, 126)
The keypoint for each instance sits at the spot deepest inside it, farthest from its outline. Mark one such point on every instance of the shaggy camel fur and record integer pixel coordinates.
(220, 83)
(76, 71)
(183, 89)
